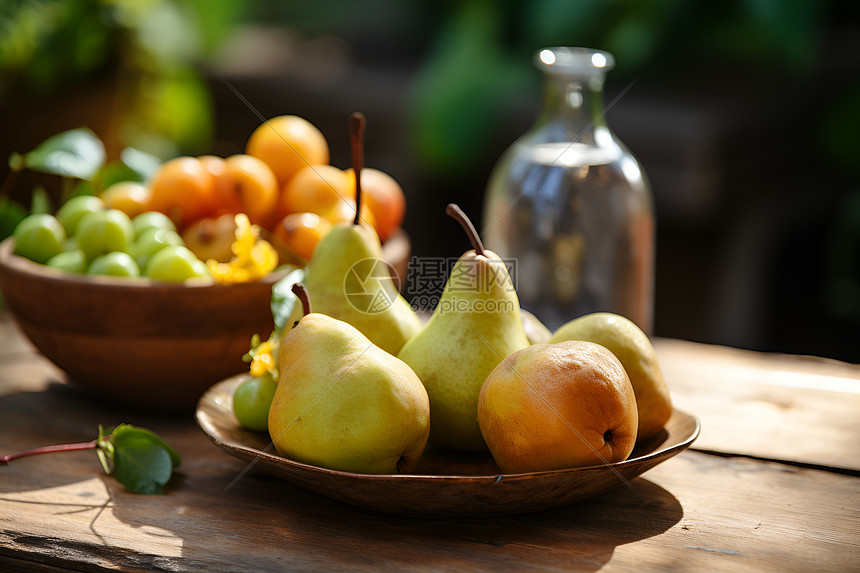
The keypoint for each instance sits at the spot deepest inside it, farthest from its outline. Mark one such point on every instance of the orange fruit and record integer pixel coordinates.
(385, 198)
(287, 144)
(315, 189)
(344, 212)
(183, 189)
(130, 197)
(557, 406)
(247, 185)
(213, 164)
(301, 232)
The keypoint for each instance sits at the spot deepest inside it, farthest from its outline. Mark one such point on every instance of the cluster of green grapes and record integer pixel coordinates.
(86, 237)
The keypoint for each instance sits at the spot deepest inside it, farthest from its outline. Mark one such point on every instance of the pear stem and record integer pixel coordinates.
(457, 214)
(357, 123)
(301, 291)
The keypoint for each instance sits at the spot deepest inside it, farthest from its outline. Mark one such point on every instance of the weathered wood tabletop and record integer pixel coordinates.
(772, 483)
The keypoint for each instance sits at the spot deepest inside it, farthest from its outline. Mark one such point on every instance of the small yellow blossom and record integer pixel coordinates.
(263, 359)
(253, 258)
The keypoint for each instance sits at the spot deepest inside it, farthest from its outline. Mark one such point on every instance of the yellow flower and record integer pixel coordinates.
(264, 359)
(253, 258)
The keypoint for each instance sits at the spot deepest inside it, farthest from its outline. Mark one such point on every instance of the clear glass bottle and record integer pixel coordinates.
(570, 204)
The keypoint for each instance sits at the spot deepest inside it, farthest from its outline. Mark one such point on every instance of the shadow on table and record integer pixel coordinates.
(279, 525)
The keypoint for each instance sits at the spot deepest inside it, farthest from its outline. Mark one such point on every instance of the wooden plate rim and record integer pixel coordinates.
(245, 452)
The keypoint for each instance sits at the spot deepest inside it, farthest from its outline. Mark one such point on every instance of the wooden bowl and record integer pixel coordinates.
(445, 483)
(135, 340)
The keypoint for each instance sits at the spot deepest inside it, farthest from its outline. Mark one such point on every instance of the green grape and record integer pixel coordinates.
(73, 210)
(71, 244)
(150, 241)
(175, 263)
(200, 268)
(117, 264)
(103, 232)
(251, 402)
(71, 261)
(151, 220)
(39, 237)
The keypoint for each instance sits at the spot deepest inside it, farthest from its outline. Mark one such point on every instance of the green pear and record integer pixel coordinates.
(536, 331)
(348, 279)
(634, 350)
(475, 325)
(343, 403)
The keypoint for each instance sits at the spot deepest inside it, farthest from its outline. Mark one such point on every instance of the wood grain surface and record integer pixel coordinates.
(695, 512)
(779, 407)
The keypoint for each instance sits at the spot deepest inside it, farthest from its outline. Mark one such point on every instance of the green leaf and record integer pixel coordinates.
(81, 187)
(76, 153)
(16, 161)
(143, 164)
(114, 172)
(11, 213)
(283, 300)
(40, 201)
(105, 450)
(137, 458)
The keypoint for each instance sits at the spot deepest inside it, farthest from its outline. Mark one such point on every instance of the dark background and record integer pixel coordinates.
(744, 115)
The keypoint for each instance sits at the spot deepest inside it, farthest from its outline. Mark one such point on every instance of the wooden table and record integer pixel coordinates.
(772, 483)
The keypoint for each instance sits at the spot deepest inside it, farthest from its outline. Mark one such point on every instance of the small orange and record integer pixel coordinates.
(183, 189)
(287, 144)
(385, 198)
(344, 211)
(301, 232)
(247, 185)
(315, 189)
(130, 197)
(213, 164)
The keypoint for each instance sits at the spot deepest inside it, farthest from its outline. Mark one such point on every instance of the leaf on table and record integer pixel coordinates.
(137, 458)
(75, 153)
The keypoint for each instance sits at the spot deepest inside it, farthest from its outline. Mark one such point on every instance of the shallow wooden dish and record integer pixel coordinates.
(137, 341)
(445, 483)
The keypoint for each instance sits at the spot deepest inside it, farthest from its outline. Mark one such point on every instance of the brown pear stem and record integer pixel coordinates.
(301, 291)
(357, 123)
(457, 214)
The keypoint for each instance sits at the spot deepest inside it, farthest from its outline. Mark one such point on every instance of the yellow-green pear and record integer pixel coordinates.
(634, 350)
(343, 403)
(348, 279)
(475, 325)
(536, 331)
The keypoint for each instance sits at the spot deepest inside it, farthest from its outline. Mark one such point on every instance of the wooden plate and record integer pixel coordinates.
(444, 483)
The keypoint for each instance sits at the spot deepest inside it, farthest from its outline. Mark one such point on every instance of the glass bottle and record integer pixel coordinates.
(570, 204)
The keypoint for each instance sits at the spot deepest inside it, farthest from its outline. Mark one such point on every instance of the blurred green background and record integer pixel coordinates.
(744, 113)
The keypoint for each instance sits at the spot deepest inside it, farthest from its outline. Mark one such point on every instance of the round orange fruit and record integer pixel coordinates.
(183, 189)
(384, 197)
(287, 144)
(247, 185)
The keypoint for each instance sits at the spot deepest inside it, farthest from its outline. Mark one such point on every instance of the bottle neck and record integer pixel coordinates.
(572, 108)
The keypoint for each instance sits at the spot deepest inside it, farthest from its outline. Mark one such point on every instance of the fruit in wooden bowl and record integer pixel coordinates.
(136, 340)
